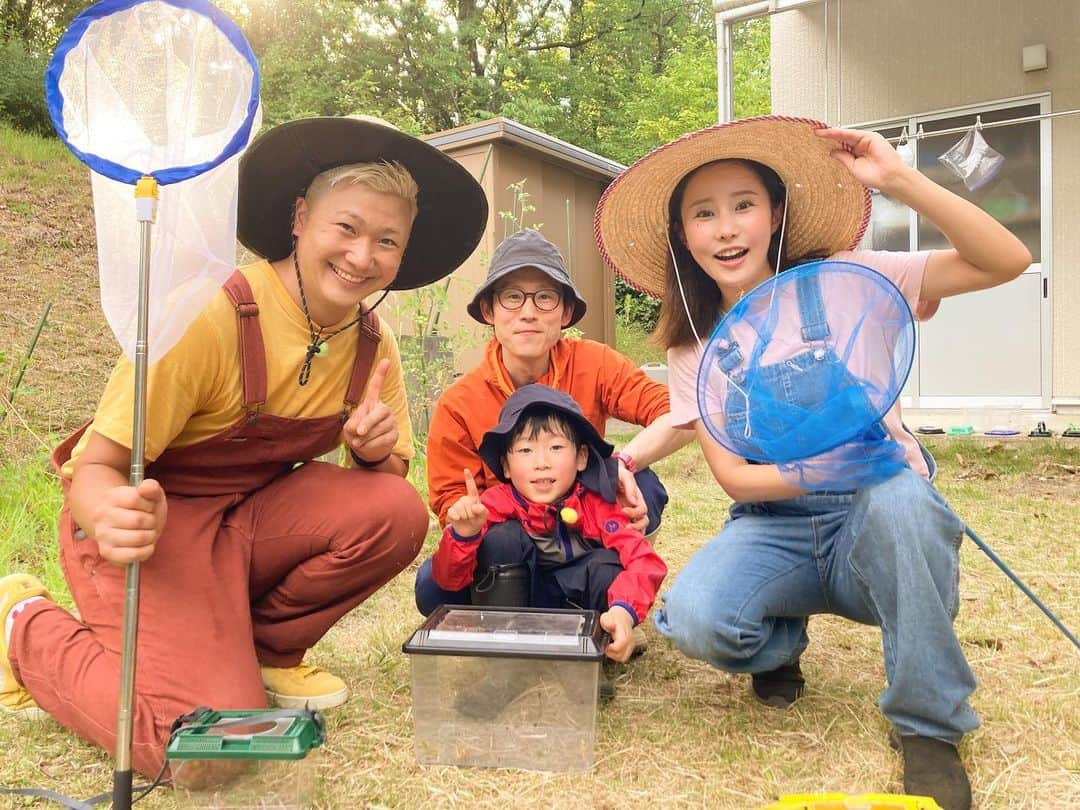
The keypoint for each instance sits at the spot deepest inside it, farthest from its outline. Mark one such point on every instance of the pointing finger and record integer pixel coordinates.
(375, 383)
(470, 484)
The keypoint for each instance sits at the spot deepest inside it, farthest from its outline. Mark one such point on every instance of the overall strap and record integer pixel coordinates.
(368, 338)
(811, 309)
(252, 349)
(728, 355)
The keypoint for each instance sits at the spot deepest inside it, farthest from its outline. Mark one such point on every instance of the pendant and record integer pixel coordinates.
(323, 348)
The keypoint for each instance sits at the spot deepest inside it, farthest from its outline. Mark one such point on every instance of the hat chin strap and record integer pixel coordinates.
(690, 318)
(779, 245)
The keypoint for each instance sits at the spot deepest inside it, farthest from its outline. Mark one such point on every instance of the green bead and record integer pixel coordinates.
(322, 348)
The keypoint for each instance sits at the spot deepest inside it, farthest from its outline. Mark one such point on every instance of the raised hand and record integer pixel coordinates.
(371, 430)
(128, 522)
(867, 155)
(468, 514)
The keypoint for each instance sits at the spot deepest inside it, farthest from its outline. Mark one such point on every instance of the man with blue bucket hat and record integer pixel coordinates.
(528, 298)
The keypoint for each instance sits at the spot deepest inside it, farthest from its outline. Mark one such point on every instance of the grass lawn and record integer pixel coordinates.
(633, 341)
(680, 733)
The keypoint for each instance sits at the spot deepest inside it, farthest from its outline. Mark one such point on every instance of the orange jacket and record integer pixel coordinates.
(604, 383)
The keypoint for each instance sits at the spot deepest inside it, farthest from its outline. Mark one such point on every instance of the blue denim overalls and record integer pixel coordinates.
(885, 554)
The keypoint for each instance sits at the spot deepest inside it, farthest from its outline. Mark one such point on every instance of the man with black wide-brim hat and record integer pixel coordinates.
(251, 550)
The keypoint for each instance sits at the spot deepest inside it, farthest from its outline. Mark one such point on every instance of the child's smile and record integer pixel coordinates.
(544, 467)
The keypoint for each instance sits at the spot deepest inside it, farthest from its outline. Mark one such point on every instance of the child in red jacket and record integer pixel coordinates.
(552, 525)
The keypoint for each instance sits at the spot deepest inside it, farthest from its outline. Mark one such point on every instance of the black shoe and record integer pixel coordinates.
(779, 687)
(641, 642)
(606, 685)
(933, 768)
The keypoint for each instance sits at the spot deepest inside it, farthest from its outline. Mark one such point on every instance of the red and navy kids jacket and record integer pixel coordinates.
(598, 524)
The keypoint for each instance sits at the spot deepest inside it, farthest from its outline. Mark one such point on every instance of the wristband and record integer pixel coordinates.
(627, 460)
(369, 464)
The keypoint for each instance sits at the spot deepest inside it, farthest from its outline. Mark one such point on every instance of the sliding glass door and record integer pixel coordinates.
(990, 348)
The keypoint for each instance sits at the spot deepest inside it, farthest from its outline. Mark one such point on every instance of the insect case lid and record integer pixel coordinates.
(266, 734)
(506, 632)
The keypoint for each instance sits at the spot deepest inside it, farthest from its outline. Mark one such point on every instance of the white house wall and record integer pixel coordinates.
(898, 59)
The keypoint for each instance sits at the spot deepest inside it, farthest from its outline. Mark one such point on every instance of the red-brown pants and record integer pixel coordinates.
(287, 562)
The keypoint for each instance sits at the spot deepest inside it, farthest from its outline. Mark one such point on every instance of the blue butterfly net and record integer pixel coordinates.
(802, 370)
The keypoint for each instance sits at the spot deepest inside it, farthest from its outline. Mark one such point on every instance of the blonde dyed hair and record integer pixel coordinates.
(386, 177)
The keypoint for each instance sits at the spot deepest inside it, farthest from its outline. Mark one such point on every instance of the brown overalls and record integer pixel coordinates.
(258, 559)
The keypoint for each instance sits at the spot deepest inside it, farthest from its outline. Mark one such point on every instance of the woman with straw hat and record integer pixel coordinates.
(698, 223)
(250, 549)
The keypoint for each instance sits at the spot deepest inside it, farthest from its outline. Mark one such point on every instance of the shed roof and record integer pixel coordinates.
(506, 129)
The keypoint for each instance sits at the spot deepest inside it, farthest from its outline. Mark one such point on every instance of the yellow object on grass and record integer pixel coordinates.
(841, 801)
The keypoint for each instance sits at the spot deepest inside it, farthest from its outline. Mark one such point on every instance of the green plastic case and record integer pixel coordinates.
(255, 735)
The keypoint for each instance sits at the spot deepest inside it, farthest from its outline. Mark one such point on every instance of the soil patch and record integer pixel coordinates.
(48, 255)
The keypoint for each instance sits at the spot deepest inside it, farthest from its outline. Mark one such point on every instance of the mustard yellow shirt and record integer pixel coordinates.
(194, 391)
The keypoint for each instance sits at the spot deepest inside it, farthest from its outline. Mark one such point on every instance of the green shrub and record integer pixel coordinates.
(22, 90)
(636, 308)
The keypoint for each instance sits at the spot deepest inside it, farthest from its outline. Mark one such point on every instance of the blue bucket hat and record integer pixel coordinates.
(527, 248)
(601, 473)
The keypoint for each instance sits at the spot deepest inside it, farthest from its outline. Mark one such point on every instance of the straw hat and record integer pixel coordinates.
(828, 209)
(280, 164)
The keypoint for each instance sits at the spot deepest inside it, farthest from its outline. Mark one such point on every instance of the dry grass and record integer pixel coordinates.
(679, 734)
(47, 255)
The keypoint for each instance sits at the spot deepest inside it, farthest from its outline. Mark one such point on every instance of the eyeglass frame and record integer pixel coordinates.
(496, 297)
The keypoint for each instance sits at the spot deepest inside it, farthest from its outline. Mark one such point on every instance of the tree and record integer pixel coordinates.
(568, 67)
(36, 24)
(751, 77)
(617, 77)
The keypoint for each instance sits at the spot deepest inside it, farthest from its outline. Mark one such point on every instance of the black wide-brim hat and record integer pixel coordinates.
(601, 473)
(280, 164)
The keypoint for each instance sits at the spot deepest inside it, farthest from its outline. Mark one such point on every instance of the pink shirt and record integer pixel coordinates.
(905, 270)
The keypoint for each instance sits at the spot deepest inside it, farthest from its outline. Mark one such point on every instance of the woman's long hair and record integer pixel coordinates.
(703, 307)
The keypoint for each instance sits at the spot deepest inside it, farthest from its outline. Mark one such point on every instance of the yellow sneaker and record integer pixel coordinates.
(14, 699)
(303, 686)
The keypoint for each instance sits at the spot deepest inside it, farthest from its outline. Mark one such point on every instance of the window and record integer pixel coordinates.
(1012, 197)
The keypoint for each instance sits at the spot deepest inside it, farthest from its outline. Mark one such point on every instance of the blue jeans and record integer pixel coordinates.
(886, 555)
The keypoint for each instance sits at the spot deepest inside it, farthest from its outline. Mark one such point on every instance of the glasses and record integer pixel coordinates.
(546, 300)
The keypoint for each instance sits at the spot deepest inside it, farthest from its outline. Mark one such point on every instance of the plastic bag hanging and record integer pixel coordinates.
(808, 363)
(170, 89)
(905, 148)
(972, 159)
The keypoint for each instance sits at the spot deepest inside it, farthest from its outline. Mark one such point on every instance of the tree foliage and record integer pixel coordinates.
(36, 24)
(617, 77)
(22, 92)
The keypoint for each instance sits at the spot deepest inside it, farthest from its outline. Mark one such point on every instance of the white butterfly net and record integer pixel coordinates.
(168, 89)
